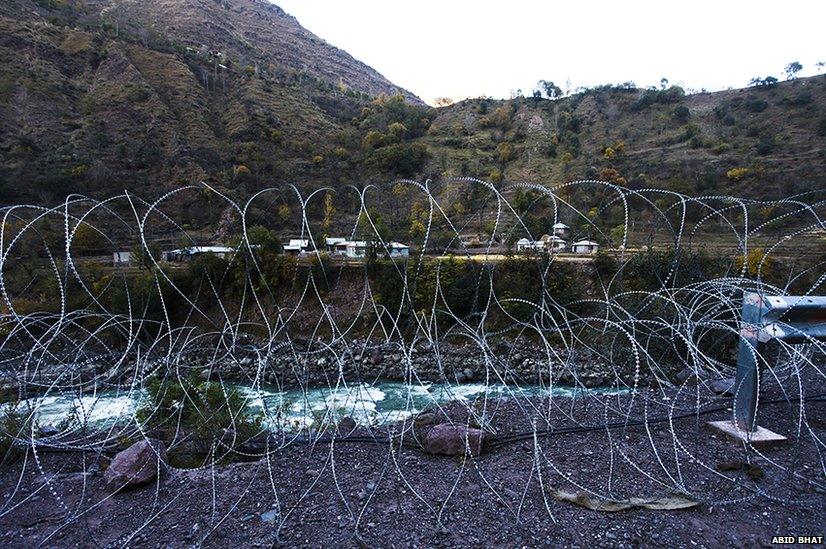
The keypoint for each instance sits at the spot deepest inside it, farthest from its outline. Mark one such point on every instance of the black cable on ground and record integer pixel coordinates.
(495, 443)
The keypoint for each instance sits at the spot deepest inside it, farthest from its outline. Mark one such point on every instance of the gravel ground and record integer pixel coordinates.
(362, 494)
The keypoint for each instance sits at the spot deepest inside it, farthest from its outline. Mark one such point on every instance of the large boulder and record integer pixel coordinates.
(347, 425)
(376, 357)
(691, 375)
(453, 440)
(137, 464)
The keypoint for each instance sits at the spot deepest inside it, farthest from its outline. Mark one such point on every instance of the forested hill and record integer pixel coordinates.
(101, 95)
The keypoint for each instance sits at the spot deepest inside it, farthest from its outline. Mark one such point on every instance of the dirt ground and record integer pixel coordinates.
(356, 494)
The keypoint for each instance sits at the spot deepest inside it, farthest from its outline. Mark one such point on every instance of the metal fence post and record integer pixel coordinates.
(765, 318)
(750, 349)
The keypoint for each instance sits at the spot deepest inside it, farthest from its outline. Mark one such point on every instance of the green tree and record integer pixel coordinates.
(329, 212)
(142, 256)
(87, 239)
(552, 91)
(396, 131)
(792, 69)
(284, 213)
(263, 240)
(504, 152)
(405, 159)
(373, 140)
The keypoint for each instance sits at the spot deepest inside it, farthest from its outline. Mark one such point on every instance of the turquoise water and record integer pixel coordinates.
(367, 404)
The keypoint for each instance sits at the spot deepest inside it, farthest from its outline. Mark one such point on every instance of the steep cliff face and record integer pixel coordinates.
(254, 33)
(101, 95)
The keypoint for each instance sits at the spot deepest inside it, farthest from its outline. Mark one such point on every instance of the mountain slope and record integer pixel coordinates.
(97, 96)
(774, 137)
(248, 33)
(89, 104)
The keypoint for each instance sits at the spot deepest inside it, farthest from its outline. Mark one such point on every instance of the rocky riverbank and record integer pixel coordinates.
(369, 493)
(362, 360)
(305, 365)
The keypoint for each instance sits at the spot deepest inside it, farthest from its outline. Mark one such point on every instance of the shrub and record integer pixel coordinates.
(737, 174)
(765, 145)
(207, 410)
(136, 94)
(754, 104)
(504, 152)
(548, 149)
(265, 241)
(501, 118)
(211, 266)
(373, 140)
(87, 239)
(396, 131)
(15, 423)
(671, 94)
(605, 265)
(613, 176)
(721, 147)
(754, 131)
(403, 159)
(802, 98)
(757, 263)
(680, 113)
(766, 82)
(723, 114)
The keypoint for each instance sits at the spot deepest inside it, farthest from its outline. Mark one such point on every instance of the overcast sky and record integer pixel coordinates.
(465, 48)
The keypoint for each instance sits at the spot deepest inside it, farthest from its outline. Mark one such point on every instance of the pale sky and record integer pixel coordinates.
(465, 48)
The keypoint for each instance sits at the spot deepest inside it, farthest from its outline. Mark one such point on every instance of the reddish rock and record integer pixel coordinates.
(347, 425)
(137, 464)
(453, 440)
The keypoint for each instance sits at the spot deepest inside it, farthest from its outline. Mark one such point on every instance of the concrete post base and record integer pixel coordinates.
(758, 437)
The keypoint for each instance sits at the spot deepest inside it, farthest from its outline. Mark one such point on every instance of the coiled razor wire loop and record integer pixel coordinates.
(625, 344)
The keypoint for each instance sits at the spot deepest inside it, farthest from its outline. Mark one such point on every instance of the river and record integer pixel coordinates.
(367, 404)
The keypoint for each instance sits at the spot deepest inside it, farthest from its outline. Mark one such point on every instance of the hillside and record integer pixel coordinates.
(97, 96)
(774, 136)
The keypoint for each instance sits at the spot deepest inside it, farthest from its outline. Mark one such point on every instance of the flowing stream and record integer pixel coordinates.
(367, 404)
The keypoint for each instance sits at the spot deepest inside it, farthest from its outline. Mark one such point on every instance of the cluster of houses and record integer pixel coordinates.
(557, 242)
(359, 249)
(185, 254)
(354, 249)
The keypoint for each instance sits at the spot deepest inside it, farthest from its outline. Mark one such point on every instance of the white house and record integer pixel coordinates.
(397, 249)
(585, 247)
(332, 244)
(185, 254)
(524, 245)
(297, 246)
(121, 258)
(341, 247)
(553, 243)
(560, 229)
(356, 249)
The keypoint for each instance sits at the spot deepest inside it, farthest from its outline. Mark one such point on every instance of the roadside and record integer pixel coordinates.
(363, 494)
